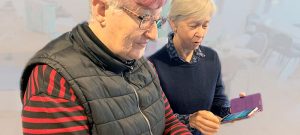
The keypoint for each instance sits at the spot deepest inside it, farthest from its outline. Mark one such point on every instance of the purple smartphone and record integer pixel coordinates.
(248, 102)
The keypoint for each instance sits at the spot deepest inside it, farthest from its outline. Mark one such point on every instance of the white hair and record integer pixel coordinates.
(183, 9)
(111, 3)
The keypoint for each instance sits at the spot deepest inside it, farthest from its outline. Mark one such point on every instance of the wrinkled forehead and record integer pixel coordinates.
(202, 19)
(151, 4)
(142, 10)
(193, 19)
(153, 12)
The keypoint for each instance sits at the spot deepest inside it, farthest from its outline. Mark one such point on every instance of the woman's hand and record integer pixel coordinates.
(205, 121)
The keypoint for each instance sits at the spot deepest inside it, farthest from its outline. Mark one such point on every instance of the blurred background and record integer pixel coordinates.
(258, 42)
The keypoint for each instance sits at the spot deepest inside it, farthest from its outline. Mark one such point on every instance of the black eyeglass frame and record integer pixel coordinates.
(146, 18)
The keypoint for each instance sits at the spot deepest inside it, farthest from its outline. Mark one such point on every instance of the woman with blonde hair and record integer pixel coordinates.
(190, 73)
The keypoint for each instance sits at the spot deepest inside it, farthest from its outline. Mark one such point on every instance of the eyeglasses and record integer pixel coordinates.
(146, 21)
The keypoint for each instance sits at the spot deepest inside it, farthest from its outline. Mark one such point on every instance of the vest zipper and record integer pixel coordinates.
(138, 101)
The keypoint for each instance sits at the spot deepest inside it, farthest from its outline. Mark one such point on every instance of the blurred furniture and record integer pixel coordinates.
(258, 44)
(286, 51)
(41, 16)
(292, 58)
(252, 20)
(281, 44)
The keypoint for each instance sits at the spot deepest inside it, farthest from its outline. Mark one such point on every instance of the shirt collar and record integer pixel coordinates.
(198, 53)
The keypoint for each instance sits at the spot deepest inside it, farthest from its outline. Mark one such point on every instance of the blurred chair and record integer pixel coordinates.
(41, 16)
(252, 20)
(245, 52)
(258, 44)
(252, 51)
(280, 44)
(288, 53)
(292, 59)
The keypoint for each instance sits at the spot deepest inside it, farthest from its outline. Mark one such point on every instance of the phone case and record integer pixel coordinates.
(248, 102)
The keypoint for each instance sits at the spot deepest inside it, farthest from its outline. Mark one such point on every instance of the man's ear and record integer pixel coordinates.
(99, 7)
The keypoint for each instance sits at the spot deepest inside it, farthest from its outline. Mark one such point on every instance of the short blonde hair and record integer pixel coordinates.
(183, 9)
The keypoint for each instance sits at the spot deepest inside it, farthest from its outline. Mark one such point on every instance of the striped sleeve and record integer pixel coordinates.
(50, 106)
(173, 126)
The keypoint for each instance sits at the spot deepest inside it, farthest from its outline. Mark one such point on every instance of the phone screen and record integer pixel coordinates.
(239, 115)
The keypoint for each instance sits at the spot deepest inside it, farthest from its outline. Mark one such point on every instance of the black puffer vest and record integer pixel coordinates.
(118, 99)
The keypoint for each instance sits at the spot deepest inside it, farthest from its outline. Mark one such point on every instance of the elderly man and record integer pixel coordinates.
(95, 80)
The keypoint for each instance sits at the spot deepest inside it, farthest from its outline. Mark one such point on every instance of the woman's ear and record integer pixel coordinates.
(173, 25)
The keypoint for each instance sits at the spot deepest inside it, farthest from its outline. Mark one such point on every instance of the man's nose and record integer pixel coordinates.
(152, 32)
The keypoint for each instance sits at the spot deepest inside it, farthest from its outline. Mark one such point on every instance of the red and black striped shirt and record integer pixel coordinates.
(57, 111)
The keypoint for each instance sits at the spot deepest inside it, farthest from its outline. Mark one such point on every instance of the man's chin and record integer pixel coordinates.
(136, 55)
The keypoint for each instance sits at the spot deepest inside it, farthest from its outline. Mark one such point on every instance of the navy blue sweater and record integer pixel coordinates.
(192, 87)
